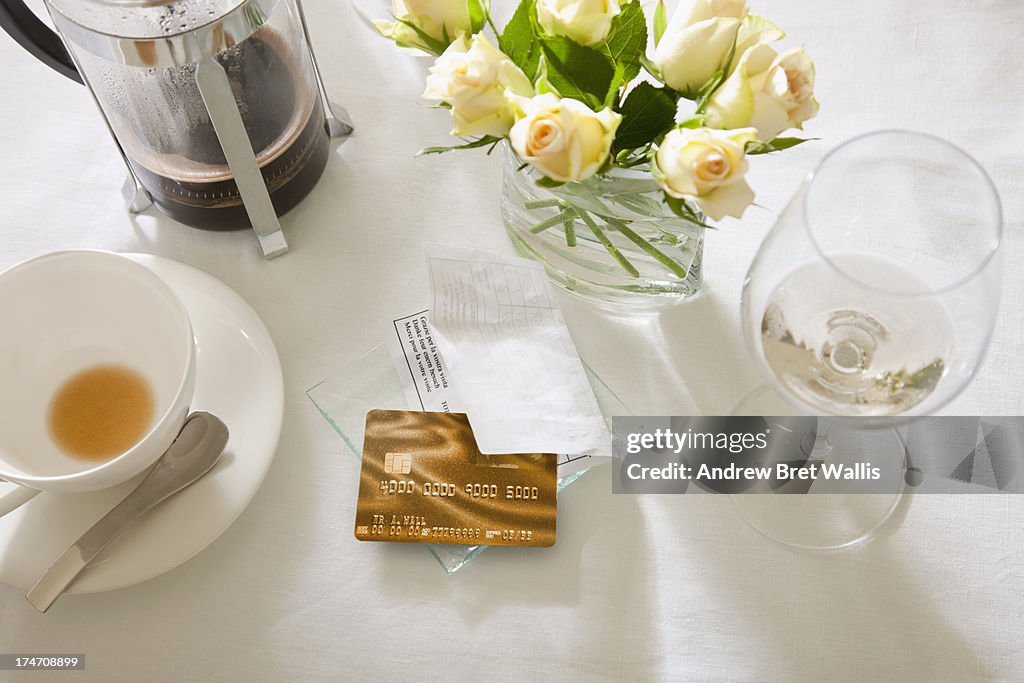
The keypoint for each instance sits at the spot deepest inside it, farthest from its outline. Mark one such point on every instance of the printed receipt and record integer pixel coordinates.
(509, 352)
(428, 385)
(421, 368)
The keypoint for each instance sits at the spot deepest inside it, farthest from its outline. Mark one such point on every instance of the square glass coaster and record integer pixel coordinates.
(371, 381)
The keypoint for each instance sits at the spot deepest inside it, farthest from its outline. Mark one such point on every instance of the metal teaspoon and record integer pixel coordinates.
(192, 455)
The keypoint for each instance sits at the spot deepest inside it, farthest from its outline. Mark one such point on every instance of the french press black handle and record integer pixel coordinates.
(36, 37)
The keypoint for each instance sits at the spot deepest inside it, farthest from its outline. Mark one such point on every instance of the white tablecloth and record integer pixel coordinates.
(639, 587)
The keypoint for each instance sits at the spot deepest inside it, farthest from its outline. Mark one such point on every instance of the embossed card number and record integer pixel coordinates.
(424, 480)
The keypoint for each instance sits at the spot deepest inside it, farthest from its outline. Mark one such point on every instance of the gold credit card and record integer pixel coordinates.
(423, 480)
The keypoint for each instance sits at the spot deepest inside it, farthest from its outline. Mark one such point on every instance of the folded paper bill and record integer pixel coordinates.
(509, 352)
(428, 385)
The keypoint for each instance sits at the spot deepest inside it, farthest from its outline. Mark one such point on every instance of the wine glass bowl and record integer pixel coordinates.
(876, 292)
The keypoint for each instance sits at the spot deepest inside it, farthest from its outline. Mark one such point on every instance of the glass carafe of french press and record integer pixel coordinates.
(216, 105)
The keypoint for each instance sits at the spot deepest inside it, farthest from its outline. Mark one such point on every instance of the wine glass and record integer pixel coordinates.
(871, 301)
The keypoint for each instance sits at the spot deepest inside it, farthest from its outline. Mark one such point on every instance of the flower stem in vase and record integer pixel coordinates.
(603, 238)
(646, 246)
(548, 223)
(543, 203)
(569, 218)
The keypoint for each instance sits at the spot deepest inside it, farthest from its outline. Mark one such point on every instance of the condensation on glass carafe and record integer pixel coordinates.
(143, 18)
(161, 121)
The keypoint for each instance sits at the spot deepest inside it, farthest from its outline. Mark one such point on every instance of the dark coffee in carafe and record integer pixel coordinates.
(183, 165)
(140, 60)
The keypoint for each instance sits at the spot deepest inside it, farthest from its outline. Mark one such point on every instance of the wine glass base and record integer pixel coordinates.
(840, 514)
(763, 400)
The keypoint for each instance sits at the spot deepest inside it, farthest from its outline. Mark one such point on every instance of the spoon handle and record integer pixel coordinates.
(193, 454)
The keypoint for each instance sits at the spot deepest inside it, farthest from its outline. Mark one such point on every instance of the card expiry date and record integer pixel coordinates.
(424, 480)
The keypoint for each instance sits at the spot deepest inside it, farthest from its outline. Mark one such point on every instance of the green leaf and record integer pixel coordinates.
(618, 80)
(578, 72)
(630, 158)
(541, 84)
(646, 114)
(430, 42)
(676, 204)
(472, 144)
(660, 22)
(693, 123)
(477, 14)
(684, 210)
(627, 40)
(708, 89)
(651, 68)
(544, 181)
(519, 39)
(776, 145)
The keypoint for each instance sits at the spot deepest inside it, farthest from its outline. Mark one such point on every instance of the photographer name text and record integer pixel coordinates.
(862, 471)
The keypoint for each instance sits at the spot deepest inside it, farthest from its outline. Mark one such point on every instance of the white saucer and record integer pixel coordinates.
(238, 378)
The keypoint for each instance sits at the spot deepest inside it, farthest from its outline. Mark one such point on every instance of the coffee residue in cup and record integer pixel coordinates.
(101, 412)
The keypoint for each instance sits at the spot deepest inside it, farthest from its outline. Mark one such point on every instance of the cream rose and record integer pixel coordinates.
(475, 79)
(442, 20)
(706, 166)
(754, 31)
(584, 21)
(563, 138)
(769, 91)
(697, 42)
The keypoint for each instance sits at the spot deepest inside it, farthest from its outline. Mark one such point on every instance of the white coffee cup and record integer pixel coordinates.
(65, 312)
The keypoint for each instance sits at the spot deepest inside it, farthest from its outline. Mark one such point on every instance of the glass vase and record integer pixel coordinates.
(610, 238)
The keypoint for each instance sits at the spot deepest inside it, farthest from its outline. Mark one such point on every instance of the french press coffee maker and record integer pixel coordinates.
(217, 106)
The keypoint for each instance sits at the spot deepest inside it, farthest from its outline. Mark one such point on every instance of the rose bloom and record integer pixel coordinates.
(706, 166)
(563, 138)
(697, 42)
(474, 78)
(584, 21)
(769, 91)
(443, 20)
